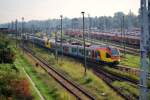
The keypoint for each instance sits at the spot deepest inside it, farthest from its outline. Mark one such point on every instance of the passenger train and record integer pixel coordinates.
(94, 53)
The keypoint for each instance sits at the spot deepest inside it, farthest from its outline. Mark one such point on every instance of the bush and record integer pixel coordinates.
(6, 53)
(12, 86)
(20, 89)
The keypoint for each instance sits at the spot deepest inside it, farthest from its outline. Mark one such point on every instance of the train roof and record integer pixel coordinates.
(91, 47)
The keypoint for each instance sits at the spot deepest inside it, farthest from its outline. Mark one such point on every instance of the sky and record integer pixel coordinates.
(48, 9)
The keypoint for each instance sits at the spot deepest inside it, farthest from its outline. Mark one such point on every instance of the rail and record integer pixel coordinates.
(68, 84)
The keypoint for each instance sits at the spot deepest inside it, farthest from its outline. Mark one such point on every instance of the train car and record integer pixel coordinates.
(130, 39)
(94, 53)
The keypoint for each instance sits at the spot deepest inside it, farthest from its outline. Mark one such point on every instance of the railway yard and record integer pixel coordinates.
(102, 81)
(125, 84)
(93, 57)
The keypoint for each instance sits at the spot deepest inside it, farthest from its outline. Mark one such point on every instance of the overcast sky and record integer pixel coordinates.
(45, 9)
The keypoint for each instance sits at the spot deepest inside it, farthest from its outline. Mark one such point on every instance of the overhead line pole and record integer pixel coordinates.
(22, 30)
(149, 31)
(124, 40)
(84, 44)
(121, 32)
(61, 38)
(22, 27)
(56, 52)
(144, 48)
(90, 34)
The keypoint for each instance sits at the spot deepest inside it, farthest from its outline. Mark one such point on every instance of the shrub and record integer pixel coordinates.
(6, 53)
(12, 86)
(20, 89)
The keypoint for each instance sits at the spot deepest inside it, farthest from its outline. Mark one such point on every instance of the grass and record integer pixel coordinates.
(119, 73)
(20, 66)
(128, 89)
(75, 70)
(17, 71)
(48, 87)
(131, 61)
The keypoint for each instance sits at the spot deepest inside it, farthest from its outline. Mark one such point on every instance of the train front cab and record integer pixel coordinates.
(115, 55)
(47, 43)
(107, 55)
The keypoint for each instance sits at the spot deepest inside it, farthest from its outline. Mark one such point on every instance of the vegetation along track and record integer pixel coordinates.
(134, 71)
(97, 68)
(110, 78)
(72, 87)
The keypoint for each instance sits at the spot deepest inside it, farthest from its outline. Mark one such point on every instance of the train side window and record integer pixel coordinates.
(81, 51)
(107, 55)
(74, 49)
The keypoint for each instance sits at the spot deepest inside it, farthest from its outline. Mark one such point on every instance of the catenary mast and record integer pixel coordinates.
(144, 48)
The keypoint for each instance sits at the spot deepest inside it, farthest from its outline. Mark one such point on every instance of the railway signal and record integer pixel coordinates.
(144, 48)
(84, 43)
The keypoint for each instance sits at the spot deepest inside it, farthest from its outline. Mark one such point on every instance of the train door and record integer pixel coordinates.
(93, 54)
(88, 53)
(65, 49)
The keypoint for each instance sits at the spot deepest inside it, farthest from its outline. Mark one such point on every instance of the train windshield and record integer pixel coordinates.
(114, 52)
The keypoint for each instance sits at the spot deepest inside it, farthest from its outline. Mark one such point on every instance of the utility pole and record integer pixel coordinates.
(33, 33)
(56, 52)
(61, 38)
(22, 26)
(149, 32)
(22, 30)
(122, 31)
(124, 40)
(12, 25)
(144, 48)
(84, 44)
(90, 34)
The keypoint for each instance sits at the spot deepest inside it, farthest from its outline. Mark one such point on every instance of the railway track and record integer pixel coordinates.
(134, 71)
(109, 79)
(97, 68)
(68, 84)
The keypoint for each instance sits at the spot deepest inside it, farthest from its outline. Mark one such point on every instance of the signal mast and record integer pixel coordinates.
(144, 48)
